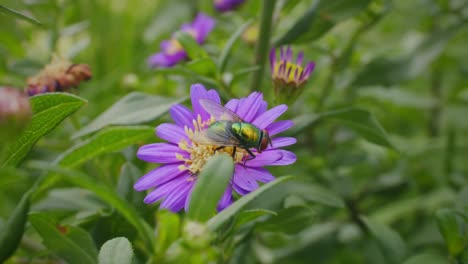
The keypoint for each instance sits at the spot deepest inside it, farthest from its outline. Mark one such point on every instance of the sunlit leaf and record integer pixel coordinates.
(134, 108)
(48, 111)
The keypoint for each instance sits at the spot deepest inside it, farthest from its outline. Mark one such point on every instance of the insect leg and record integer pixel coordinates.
(252, 156)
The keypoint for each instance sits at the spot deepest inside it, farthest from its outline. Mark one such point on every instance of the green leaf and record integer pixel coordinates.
(12, 231)
(70, 243)
(390, 241)
(320, 18)
(202, 66)
(221, 218)
(450, 230)
(12, 12)
(426, 258)
(290, 220)
(249, 216)
(226, 52)
(385, 71)
(316, 193)
(190, 45)
(48, 111)
(363, 122)
(105, 193)
(116, 251)
(108, 140)
(210, 186)
(168, 230)
(128, 177)
(134, 108)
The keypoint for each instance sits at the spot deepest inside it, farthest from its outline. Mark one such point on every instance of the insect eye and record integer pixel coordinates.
(264, 144)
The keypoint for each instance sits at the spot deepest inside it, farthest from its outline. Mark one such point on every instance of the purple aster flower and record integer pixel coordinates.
(289, 77)
(227, 5)
(171, 50)
(182, 159)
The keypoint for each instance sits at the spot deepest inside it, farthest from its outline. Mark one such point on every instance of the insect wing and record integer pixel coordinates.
(218, 111)
(218, 136)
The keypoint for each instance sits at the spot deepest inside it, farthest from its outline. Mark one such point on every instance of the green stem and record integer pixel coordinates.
(449, 153)
(263, 44)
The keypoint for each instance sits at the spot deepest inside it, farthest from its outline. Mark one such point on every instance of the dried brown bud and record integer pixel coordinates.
(59, 76)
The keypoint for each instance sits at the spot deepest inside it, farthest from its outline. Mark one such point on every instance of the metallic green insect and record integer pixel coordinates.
(230, 130)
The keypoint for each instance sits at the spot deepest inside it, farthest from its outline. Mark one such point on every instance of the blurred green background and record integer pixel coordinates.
(403, 61)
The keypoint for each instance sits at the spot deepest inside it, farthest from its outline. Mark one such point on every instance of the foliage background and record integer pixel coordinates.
(352, 201)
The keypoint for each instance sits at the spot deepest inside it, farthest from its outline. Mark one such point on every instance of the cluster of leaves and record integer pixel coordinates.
(359, 194)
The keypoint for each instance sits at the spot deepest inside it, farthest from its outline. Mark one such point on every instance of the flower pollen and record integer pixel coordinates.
(200, 153)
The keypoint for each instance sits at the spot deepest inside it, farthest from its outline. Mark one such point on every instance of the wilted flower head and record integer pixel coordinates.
(59, 76)
(15, 112)
(289, 77)
(171, 50)
(227, 5)
(183, 158)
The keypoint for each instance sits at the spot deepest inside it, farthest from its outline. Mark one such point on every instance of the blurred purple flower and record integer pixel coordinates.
(227, 5)
(183, 159)
(171, 50)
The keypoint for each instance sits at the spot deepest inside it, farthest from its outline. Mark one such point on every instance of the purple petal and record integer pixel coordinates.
(158, 176)
(265, 158)
(289, 54)
(287, 157)
(272, 59)
(309, 68)
(282, 142)
(232, 105)
(166, 188)
(172, 133)
(242, 178)
(248, 107)
(203, 25)
(226, 199)
(265, 119)
(239, 190)
(227, 5)
(260, 174)
(197, 92)
(175, 200)
(160, 153)
(182, 116)
(278, 127)
(282, 54)
(300, 57)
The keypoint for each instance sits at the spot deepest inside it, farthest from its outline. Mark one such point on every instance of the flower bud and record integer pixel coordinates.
(15, 113)
(289, 77)
(196, 235)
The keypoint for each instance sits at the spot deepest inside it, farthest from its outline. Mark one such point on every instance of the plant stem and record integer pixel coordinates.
(263, 44)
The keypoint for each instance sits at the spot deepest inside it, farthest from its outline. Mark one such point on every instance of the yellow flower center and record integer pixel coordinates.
(199, 153)
(288, 75)
(175, 44)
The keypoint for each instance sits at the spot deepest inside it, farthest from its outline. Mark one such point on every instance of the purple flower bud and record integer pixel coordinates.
(227, 5)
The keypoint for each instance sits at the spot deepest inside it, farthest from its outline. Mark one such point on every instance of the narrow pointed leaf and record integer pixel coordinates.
(9, 11)
(109, 140)
(363, 122)
(226, 52)
(221, 218)
(190, 45)
(68, 242)
(12, 232)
